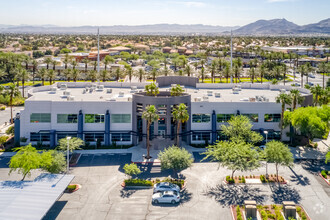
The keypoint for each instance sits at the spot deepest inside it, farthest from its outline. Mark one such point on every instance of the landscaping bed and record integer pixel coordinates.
(72, 188)
(254, 179)
(325, 174)
(267, 212)
(150, 183)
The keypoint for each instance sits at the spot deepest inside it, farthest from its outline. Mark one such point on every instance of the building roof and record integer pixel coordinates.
(31, 199)
(120, 48)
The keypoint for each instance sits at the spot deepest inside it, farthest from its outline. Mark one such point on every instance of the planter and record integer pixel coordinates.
(77, 186)
(326, 180)
(242, 180)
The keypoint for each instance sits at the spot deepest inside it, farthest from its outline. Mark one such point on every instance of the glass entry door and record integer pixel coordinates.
(161, 133)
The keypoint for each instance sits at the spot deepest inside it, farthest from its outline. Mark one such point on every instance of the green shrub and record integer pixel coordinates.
(324, 174)
(178, 182)
(230, 180)
(262, 178)
(2, 108)
(271, 216)
(264, 215)
(278, 214)
(131, 169)
(138, 182)
(243, 180)
(71, 187)
(10, 130)
(303, 216)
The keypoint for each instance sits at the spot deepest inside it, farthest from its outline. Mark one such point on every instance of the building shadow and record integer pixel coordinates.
(151, 170)
(228, 195)
(284, 193)
(299, 179)
(55, 210)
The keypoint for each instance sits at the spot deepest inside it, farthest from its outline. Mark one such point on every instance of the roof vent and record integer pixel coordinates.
(217, 94)
(205, 98)
(66, 93)
(109, 90)
(70, 98)
(121, 94)
(129, 99)
(53, 90)
(209, 93)
(236, 91)
(198, 99)
(282, 90)
(63, 87)
(100, 88)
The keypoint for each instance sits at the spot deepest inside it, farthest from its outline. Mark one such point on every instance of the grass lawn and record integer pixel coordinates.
(30, 83)
(326, 74)
(217, 80)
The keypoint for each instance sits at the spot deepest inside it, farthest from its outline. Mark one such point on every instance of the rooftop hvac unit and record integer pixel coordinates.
(109, 90)
(84, 91)
(93, 86)
(195, 91)
(121, 94)
(283, 90)
(205, 98)
(239, 87)
(100, 88)
(133, 87)
(112, 100)
(236, 91)
(217, 94)
(53, 90)
(91, 90)
(63, 87)
(70, 98)
(252, 99)
(66, 93)
(198, 99)
(129, 99)
(209, 93)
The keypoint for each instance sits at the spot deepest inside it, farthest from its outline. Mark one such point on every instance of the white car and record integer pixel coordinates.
(166, 186)
(166, 197)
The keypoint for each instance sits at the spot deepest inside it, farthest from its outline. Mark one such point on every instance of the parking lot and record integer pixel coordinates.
(205, 197)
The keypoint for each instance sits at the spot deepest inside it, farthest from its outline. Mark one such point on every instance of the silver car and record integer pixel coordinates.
(166, 186)
(166, 197)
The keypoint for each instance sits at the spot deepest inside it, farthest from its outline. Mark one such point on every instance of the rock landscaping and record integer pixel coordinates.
(252, 179)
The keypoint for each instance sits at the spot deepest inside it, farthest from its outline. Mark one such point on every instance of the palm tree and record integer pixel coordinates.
(177, 90)
(42, 74)
(302, 70)
(227, 72)
(129, 72)
(75, 74)
(34, 69)
(151, 89)
(23, 75)
(118, 73)
(150, 115)
(252, 73)
(284, 99)
(48, 61)
(309, 69)
(296, 98)
(202, 73)
(86, 61)
(322, 68)
(154, 73)
(212, 69)
(13, 92)
(261, 71)
(108, 59)
(74, 64)
(67, 74)
(140, 73)
(51, 75)
(180, 115)
(317, 92)
(54, 62)
(236, 71)
(277, 72)
(187, 70)
(104, 75)
(66, 61)
(92, 75)
(284, 69)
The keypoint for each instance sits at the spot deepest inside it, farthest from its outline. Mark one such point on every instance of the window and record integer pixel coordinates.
(139, 107)
(221, 136)
(252, 117)
(222, 118)
(67, 118)
(94, 118)
(121, 137)
(39, 137)
(64, 135)
(162, 121)
(201, 136)
(121, 118)
(201, 118)
(272, 117)
(91, 137)
(40, 118)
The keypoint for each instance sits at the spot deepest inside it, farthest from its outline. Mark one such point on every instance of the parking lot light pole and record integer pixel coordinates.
(95, 143)
(67, 154)
(266, 133)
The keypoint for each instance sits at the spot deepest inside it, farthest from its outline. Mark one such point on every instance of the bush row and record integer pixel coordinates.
(138, 182)
(324, 173)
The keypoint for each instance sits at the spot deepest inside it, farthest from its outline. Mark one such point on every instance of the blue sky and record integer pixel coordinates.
(137, 12)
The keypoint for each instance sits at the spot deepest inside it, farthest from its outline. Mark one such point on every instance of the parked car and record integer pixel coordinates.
(166, 186)
(166, 197)
(310, 84)
(37, 85)
(311, 75)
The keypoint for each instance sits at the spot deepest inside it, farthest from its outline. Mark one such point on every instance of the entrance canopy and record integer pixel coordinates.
(31, 199)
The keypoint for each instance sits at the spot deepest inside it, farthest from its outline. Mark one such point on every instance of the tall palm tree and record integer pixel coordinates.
(236, 71)
(150, 115)
(180, 115)
(302, 70)
(296, 98)
(13, 92)
(309, 69)
(177, 90)
(104, 75)
(284, 99)
(23, 76)
(317, 92)
(261, 72)
(48, 61)
(118, 73)
(34, 69)
(187, 70)
(54, 62)
(42, 74)
(75, 74)
(67, 74)
(129, 72)
(140, 73)
(151, 89)
(322, 68)
(202, 73)
(284, 69)
(74, 64)
(213, 69)
(86, 61)
(51, 76)
(154, 73)
(252, 73)
(107, 60)
(66, 60)
(92, 75)
(227, 72)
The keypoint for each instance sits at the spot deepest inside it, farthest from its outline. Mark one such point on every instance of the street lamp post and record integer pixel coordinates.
(121, 143)
(95, 143)
(266, 133)
(67, 153)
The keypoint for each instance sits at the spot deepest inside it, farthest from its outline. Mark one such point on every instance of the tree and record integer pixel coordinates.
(317, 92)
(86, 61)
(150, 115)
(13, 92)
(312, 122)
(132, 170)
(25, 160)
(322, 68)
(177, 90)
(236, 155)
(42, 74)
(104, 75)
(151, 89)
(53, 161)
(51, 76)
(140, 73)
(92, 75)
(302, 69)
(327, 157)
(278, 153)
(202, 73)
(284, 99)
(74, 144)
(240, 128)
(48, 61)
(75, 74)
(180, 115)
(23, 75)
(296, 98)
(175, 158)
